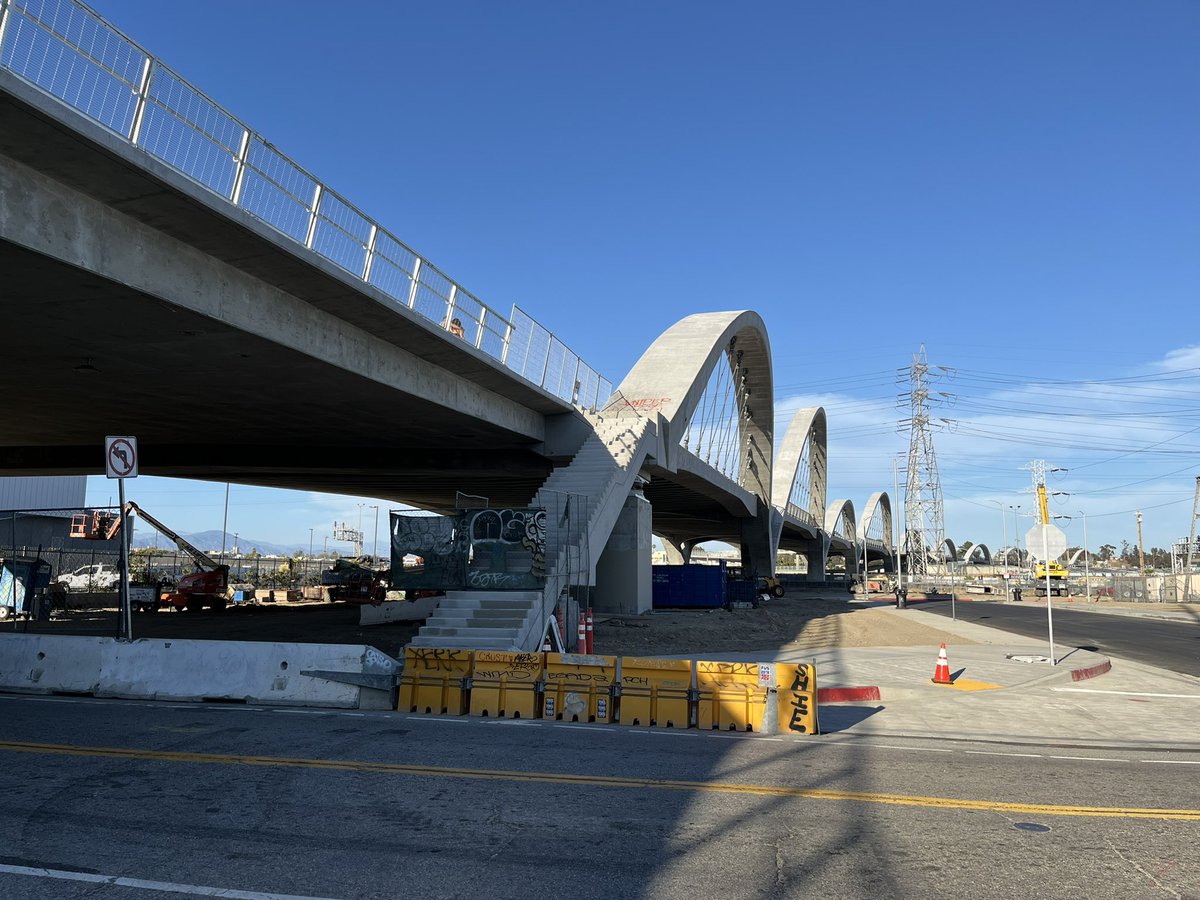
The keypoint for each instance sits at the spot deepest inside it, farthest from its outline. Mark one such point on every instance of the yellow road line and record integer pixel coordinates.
(717, 787)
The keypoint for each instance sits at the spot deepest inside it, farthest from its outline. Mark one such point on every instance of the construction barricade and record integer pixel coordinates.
(435, 680)
(578, 688)
(506, 684)
(796, 698)
(655, 692)
(729, 696)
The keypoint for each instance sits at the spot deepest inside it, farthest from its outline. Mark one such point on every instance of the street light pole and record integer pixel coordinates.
(1004, 529)
(1087, 584)
(375, 539)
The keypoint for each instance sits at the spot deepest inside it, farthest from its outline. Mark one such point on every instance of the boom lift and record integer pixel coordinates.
(204, 587)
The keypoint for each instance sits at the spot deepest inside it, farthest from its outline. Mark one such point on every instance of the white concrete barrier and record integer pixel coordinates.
(398, 611)
(351, 676)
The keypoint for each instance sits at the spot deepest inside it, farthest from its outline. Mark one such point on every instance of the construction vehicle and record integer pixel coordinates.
(1050, 575)
(206, 586)
(354, 581)
(769, 584)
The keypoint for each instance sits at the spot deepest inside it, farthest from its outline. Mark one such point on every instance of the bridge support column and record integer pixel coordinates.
(757, 546)
(623, 570)
(814, 554)
(679, 553)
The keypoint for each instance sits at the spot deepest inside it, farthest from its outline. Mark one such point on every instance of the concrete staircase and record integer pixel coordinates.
(603, 471)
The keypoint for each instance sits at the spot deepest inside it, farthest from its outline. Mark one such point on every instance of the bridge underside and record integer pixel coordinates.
(236, 406)
(135, 303)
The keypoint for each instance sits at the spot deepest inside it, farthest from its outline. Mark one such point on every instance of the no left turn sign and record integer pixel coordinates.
(120, 457)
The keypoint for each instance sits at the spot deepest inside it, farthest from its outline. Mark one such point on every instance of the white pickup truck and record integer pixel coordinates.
(98, 577)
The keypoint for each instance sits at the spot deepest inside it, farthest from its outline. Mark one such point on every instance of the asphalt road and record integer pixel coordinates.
(1167, 644)
(262, 803)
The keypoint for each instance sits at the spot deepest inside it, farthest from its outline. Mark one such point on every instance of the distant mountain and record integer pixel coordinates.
(146, 536)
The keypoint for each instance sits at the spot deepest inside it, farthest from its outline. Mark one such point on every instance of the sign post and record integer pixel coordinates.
(121, 462)
(1054, 545)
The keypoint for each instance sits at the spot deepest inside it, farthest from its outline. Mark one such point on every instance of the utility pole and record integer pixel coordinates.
(1187, 568)
(1141, 550)
(924, 518)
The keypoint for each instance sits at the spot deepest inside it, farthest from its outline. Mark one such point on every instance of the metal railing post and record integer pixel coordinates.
(4, 12)
(451, 305)
(314, 216)
(482, 321)
(139, 112)
(239, 178)
(508, 331)
(416, 283)
(370, 257)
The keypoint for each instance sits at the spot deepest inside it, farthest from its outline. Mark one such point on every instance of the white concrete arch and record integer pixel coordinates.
(877, 516)
(839, 520)
(948, 550)
(1075, 557)
(802, 467)
(668, 381)
(978, 550)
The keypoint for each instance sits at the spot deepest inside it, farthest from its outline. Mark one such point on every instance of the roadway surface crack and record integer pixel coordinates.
(1158, 884)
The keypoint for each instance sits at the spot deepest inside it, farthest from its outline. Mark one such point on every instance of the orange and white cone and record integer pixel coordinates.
(581, 635)
(941, 675)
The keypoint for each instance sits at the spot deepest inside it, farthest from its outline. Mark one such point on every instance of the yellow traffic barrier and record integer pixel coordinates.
(655, 692)
(730, 696)
(796, 686)
(434, 680)
(577, 687)
(505, 684)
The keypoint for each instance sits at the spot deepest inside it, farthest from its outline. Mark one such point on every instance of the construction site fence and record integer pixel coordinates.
(66, 50)
(152, 567)
(1120, 588)
(635, 691)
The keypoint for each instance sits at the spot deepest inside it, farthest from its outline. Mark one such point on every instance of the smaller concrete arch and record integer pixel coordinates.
(948, 551)
(1075, 557)
(978, 550)
(839, 520)
(877, 517)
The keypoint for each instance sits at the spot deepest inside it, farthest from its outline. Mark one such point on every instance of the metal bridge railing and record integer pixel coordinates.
(71, 53)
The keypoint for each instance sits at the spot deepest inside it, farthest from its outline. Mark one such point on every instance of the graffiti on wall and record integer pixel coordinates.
(483, 549)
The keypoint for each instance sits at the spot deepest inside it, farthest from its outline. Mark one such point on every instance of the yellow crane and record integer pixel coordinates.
(1057, 573)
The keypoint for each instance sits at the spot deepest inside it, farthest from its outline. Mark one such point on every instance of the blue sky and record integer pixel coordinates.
(1015, 185)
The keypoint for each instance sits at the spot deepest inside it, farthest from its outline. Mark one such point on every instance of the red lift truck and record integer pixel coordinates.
(204, 587)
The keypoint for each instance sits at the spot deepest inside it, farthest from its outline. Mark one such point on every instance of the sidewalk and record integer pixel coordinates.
(1129, 707)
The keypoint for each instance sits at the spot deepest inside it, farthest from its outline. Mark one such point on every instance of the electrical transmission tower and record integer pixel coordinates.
(924, 518)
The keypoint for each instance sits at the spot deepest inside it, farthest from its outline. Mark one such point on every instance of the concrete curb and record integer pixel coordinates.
(848, 694)
(1091, 671)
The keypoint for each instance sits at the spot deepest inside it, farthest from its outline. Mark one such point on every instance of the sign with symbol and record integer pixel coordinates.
(120, 457)
(766, 675)
(1055, 542)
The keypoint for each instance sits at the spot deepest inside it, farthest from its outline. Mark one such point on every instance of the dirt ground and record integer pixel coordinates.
(793, 622)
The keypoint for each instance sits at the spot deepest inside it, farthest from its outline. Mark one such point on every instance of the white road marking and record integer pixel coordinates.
(1174, 762)
(997, 753)
(672, 733)
(588, 727)
(1129, 693)
(450, 720)
(913, 749)
(142, 884)
(302, 712)
(1091, 758)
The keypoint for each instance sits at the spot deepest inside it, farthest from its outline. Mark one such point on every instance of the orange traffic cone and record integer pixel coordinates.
(941, 675)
